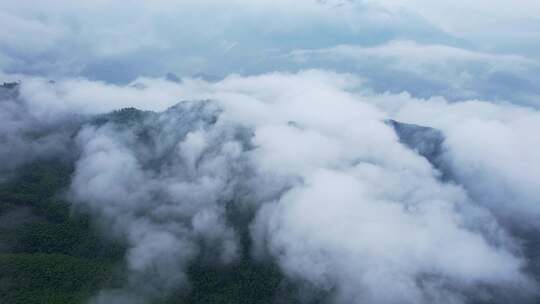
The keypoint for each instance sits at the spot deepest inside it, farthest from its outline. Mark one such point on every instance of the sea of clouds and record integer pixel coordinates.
(336, 199)
(375, 151)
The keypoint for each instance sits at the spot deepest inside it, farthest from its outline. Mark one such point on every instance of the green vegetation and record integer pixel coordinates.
(50, 278)
(123, 117)
(48, 255)
(246, 282)
(9, 85)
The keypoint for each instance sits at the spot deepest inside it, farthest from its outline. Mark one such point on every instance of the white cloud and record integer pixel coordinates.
(118, 41)
(461, 51)
(341, 204)
(427, 70)
(474, 18)
(491, 148)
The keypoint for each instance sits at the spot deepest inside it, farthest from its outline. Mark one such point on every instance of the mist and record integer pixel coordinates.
(318, 152)
(343, 202)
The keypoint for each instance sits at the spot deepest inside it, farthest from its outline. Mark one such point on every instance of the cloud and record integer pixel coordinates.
(26, 136)
(377, 246)
(413, 46)
(162, 182)
(373, 151)
(119, 42)
(324, 185)
(427, 70)
(490, 148)
(490, 25)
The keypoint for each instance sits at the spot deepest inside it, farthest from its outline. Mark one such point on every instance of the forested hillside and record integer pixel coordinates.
(48, 254)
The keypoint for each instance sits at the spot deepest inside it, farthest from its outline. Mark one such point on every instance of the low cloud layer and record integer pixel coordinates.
(162, 183)
(309, 167)
(491, 149)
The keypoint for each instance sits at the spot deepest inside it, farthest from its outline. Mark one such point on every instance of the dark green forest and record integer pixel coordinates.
(48, 254)
(51, 255)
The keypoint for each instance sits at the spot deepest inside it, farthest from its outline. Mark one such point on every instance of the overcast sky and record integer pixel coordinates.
(117, 41)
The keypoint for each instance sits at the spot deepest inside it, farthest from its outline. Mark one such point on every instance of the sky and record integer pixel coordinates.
(456, 49)
(283, 109)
